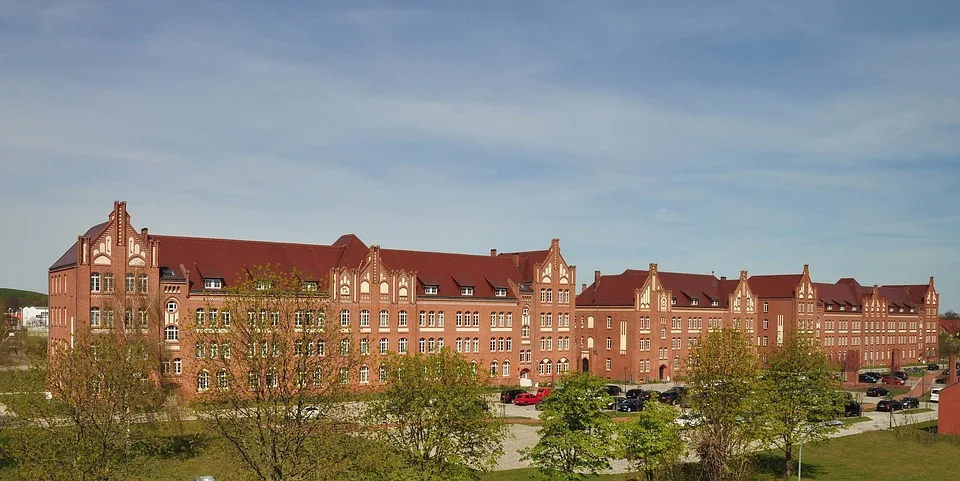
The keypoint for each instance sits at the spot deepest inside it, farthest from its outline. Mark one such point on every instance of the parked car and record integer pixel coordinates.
(543, 392)
(940, 380)
(946, 372)
(935, 394)
(634, 393)
(867, 378)
(874, 374)
(902, 375)
(613, 402)
(670, 397)
(877, 391)
(909, 402)
(630, 405)
(933, 367)
(852, 409)
(892, 380)
(507, 395)
(527, 399)
(613, 389)
(889, 405)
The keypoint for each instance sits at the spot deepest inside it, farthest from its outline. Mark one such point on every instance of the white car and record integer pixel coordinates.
(935, 394)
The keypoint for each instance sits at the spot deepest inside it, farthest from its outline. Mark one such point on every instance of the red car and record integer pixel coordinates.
(527, 399)
(892, 380)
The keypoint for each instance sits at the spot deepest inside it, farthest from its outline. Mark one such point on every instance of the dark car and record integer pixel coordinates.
(867, 378)
(672, 396)
(508, 395)
(613, 389)
(874, 374)
(933, 367)
(613, 402)
(852, 409)
(634, 393)
(893, 380)
(630, 405)
(909, 402)
(940, 380)
(902, 375)
(877, 392)
(889, 405)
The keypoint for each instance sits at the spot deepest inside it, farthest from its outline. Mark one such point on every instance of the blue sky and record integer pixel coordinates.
(705, 136)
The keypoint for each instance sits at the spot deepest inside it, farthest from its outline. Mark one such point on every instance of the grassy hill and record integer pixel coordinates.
(15, 298)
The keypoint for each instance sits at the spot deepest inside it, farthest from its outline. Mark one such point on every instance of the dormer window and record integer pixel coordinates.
(310, 286)
(673, 301)
(430, 290)
(853, 308)
(500, 292)
(843, 308)
(913, 309)
(695, 301)
(901, 309)
(715, 302)
(263, 285)
(213, 283)
(466, 291)
(829, 307)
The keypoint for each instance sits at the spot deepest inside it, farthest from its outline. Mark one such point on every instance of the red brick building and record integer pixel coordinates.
(640, 324)
(508, 312)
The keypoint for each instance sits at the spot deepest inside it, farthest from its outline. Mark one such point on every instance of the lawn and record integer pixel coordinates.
(894, 391)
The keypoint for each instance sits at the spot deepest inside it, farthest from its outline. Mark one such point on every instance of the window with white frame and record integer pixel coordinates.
(430, 290)
(171, 334)
(364, 318)
(506, 368)
(108, 283)
(344, 318)
(95, 282)
(364, 375)
(213, 284)
(94, 317)
(402, 345)
(500, 292)
(131, 283)
(466, 291)
(142, 283)
(402, 319)
(203, 381)
(384, 318)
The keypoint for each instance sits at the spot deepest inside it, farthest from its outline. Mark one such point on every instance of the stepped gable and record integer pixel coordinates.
(69, 258)
(525, 261)
(227, 258)
(775, 286)
(449, 271)
(613, 290)
(703, 287)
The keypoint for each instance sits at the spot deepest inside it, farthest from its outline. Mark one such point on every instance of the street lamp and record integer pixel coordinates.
(813, 427)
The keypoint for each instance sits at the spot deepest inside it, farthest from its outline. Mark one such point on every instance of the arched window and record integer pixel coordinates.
(364, 375)
(171, 334)
(222, 381)
(344, 318)
(177, 366)
(506, 368)
(494, 368)
(525, 331)
(384, 318)
(203, 381)
(200, 317)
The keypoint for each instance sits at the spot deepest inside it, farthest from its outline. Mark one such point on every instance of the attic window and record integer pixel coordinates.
(466, 291)
(213, 283)
(310, 286)
(263, 285)
(829, 307)
(430, 290)
(673, 301)
(500, 292)
(913, 309)
(695, 301)
(891, 309)
(853, 308)
(843, 308)
(715, 302)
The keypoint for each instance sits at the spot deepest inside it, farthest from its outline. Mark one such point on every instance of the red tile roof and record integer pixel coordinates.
(227, 258)
(526, 260)
(450, 271)
(951, 326)
(69, 258)
(775, 286)
(838, 294)
(619, 289)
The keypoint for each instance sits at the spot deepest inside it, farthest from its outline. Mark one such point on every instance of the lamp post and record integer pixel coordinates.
(813, 427)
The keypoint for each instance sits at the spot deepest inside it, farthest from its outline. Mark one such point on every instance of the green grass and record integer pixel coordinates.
(915, 411)
(894, 391)
(855, 420)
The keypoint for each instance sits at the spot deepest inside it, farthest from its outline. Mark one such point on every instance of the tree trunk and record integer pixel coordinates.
(953, 369)
(788, 459)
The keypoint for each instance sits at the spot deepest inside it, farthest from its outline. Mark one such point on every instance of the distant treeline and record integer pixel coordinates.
(15, 298)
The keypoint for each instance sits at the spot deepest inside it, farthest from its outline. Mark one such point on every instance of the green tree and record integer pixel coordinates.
(104, 398)
(272, 377)
(949, 344)
(652, 440)
(723, 375)
(433, 414)
(576, 436)
(799, 391)
(950, 315)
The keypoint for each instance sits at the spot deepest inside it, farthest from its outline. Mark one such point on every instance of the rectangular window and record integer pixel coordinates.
(212, 283)
(766, 307)
(384, 318)
(108, 282)
(344, 318)
(364, 318)
(466, 291)
(94, 282)
(430, 290)
(384, 346)
(94, 317)
(131, 283)
(715, 302)
(402, 319)
(500, 292)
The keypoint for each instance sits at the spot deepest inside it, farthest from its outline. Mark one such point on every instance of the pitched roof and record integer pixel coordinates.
(526, 260)
(952, 326)
(227, 258)
(69, 258)
(838, 294)
(772, 286)
(449, 272)
(613, 290)
(915, 292)
(620, 289)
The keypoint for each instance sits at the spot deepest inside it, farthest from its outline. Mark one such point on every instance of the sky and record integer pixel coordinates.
(704, 136)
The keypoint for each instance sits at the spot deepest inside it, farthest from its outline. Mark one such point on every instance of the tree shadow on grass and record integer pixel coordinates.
(770, 466)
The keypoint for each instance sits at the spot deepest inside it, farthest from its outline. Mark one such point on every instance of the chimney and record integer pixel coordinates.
(143, 233)
(806, 268)
(723, 278)
(583, 287)
(516, 260)
(596, 277)
(493, 253)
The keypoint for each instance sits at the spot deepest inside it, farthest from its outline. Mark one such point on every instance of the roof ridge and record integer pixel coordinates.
(247, 241)
(446, 253)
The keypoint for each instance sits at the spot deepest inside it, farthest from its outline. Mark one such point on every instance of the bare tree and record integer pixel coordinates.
(272, 373)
